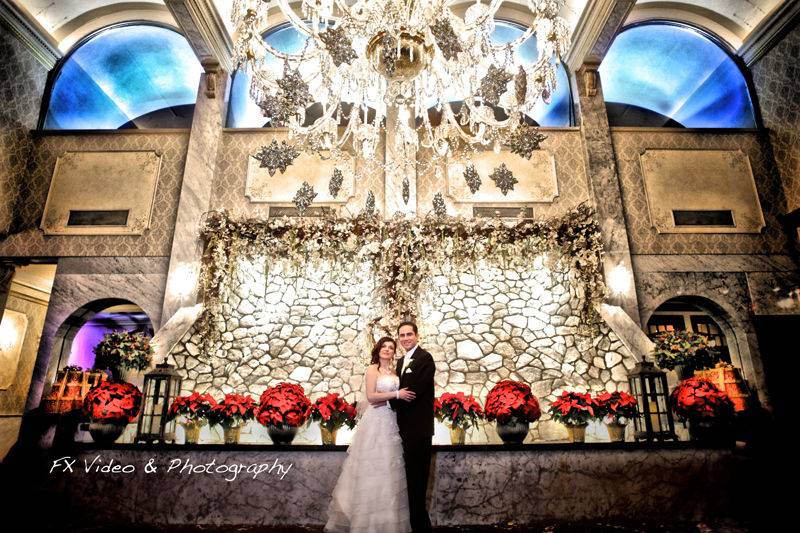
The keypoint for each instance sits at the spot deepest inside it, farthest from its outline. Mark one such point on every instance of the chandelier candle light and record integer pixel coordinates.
(363, 60)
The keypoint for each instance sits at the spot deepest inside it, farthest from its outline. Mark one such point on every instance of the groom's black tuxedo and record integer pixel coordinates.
(415, 421)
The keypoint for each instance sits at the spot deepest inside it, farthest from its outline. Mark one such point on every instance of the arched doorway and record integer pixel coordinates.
(700, 315)
(84, 328)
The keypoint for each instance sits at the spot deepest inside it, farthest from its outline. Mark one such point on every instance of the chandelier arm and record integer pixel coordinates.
(490, 12)
(296, 21)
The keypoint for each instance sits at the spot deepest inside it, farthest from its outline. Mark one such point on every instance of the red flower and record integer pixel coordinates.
(616, 405)
(285, 403)
(576, 408)
(458, 409)
(234, 409)
(510, 399)
(110, 401)
(333, 411)
(700, 399)
(195, 406)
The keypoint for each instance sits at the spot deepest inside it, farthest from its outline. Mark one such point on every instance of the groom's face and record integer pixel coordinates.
(408, 339)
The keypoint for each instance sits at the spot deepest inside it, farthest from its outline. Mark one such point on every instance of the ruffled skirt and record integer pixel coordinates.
(371, 494)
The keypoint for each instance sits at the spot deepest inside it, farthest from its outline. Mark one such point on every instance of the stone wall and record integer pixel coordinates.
(28, 240)
(22, 81)
(311, 326)
(775, 79)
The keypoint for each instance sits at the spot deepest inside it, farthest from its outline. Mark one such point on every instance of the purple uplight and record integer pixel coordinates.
(91, 333)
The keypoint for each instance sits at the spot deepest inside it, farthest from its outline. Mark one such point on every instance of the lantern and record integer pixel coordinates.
(160, 387)
(654, 421)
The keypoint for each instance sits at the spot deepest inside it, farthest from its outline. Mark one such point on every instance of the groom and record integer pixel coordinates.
(415, 421)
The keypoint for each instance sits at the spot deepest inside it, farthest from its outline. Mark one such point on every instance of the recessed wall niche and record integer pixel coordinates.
(102, 193)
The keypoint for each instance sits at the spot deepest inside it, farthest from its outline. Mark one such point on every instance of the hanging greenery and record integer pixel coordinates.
(402, 252)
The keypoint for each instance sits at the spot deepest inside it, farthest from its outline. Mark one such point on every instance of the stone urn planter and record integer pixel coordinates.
(513, 432)
(616, 431)
(576, 433)
(191, 430)
(458, 436)
(282, 433)
(231, 433)
(328, 435)
(106, 432)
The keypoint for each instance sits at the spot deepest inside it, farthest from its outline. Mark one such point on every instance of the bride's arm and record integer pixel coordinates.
(372, 381)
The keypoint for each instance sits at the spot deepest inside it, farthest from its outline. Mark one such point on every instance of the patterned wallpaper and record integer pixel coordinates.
(628, 144)
(775, 77)
(22, 81)
(573, 187)
(28, 240)
(229, 184)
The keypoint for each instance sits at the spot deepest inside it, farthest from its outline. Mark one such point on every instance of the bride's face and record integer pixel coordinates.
(388, 350)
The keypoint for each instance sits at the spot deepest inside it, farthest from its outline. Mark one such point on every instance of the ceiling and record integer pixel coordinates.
(69, 20)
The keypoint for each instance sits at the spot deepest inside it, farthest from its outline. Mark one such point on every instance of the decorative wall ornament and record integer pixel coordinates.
(524, 140)
(503, 178)
(335, 184)
(472, 178)
(439, 209)
(304, 197)
(369, 207)
(277, 156)
(406, 189)
(401, 252)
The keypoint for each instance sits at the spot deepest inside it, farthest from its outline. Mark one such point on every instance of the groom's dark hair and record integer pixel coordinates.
(408, 323)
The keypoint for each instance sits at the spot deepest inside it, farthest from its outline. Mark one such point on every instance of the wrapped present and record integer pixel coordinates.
(728, 378)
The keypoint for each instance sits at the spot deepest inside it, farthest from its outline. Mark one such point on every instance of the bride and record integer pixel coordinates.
(371, 493)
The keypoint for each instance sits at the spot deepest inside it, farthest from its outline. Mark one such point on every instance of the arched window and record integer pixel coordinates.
(129, 76)
(668, 74)
(244, 113)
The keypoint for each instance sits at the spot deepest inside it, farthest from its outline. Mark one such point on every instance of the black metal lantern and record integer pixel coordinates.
(654, 421)
(160, 387)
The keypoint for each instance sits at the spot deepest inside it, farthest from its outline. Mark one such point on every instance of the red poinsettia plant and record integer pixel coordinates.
(617, 407)
(512, 401)
(699, 399)
(196, 406)
(113, 402)
(234, 410)
(574, 408)
(285, 403)
(333, 411)
(458, 410)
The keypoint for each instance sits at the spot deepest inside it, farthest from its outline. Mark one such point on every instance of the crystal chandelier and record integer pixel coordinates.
(414, 66)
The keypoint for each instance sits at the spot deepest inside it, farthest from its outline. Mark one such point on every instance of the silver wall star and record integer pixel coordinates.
(472, 178)
(439, 209)
(369, 207)
(304, 197)
(503, 178)
(277, 156)
(406, 190)
(336, 182)
(524, 140)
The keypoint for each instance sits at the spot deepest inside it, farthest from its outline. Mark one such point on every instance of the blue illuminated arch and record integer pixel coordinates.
(669, 74)
(127, 76)
(244, 113)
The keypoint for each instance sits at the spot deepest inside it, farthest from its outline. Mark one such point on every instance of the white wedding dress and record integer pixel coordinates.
(371, 494)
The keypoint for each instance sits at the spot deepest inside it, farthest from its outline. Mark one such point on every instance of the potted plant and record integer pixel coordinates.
(233, 412)
(282, 409)
(575, 410)
(708, 410)
(459, 412)
(332, 412)
(616, 409)
(110, 407)
(194, 410)
(514, 407)
(121, 351)
(684, 352)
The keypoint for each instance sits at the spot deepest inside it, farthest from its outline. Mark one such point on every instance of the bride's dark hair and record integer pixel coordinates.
(376, 350)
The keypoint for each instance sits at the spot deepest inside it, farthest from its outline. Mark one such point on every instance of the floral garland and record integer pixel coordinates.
(401, 252)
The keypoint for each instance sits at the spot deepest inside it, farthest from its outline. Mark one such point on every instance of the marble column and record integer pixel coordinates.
(605, 187)
(198, 178)
(400, 163)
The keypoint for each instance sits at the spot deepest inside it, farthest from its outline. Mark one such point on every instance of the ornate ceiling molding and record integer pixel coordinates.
(204, 29)
(769, 32)
(25, 27)
(597, 26)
